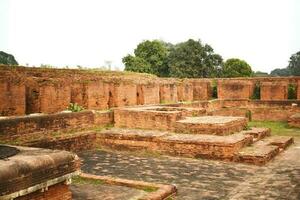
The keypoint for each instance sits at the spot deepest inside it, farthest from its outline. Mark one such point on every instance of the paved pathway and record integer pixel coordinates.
(205, 179)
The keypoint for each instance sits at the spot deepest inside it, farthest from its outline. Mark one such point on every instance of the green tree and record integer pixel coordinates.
(234, 67)
(260, 74)
(136, 64)
(192, 59)
(149, 57)
(280, 72)
(7, 59)
(294, 64)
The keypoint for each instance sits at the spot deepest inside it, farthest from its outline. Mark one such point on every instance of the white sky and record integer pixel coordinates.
(89, 32)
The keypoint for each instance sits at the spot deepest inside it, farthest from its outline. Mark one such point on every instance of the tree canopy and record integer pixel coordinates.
(7, 59)
(294, 64)
(149, 57)
(192, 59)
(293, 69)
(235, 67)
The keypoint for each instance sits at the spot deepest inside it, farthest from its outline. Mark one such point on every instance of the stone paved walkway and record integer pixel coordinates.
(206, 179)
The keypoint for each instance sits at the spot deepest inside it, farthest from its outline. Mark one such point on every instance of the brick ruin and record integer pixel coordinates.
(142, 112)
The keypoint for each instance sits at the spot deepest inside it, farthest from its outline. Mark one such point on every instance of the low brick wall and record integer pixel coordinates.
(56, 192)
(155, 117)
(73, 142)
(16, 126)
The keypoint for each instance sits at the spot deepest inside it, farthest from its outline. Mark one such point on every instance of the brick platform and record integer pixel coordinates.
(153, 117)
(294, 120)
(35, 169)
(189, 145)
(244, 146)
(215, 125)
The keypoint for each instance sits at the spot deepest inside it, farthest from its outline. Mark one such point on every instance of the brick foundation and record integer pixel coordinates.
(56, 192)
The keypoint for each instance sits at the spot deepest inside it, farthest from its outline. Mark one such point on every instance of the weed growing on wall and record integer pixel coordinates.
(292, 91)
(74, 107)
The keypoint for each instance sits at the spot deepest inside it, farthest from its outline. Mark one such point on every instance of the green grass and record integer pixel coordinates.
(278, 128)
(83, 181)
(149, 189)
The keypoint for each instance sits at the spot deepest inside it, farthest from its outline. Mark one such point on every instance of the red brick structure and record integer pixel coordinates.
(202, 89)
(168, 92)
(152, 117)
(275, 90)
(148, 94)
(56, 192)
(234, 89)
(47, 96)
(185, 91)
(18, 126)
(12, 98)
(38, 174)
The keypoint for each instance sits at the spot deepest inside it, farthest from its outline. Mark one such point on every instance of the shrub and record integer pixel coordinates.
(74, 107)
(292, 91)
(256, 92)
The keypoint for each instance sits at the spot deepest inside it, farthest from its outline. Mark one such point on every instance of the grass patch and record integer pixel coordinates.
(149, 189)
(278, 128)
(83, 181)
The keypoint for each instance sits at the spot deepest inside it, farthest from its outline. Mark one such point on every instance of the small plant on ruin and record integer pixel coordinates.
(256, 92)
(74, 107)
(292, 91)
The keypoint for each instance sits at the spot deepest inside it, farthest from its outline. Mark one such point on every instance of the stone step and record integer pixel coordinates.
(257, 133)
(213, 125)
(281, 141)
(258, 153)
(189, 145)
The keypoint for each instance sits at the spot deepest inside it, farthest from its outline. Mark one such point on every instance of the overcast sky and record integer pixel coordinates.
(89, 32)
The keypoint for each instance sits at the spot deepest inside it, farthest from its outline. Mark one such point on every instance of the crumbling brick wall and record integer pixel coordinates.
(12, 97)
(202, 89)
(185, 91)
(13, 127)
(47, 96)
(235, 89)
(147, 94)
(273, 90)
(58, 191)
(168, 92)
(97, 95)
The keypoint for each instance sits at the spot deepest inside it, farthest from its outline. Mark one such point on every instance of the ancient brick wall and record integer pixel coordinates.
(51, 90)
(185, 91)
(202, 89)
(79, 94)
(12, 98)
(80, 141)
(97, 95)
(122, 94)
(47, 96)
(12, 127)
(234, 89)
(56, 192)
(275, 90)
(168, 92)
(147, 94)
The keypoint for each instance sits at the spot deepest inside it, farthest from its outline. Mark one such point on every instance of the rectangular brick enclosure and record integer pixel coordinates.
(214, 125)
(153, 117)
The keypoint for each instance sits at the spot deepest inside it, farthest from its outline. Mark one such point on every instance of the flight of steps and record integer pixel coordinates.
(264, 147)
(254, 146)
